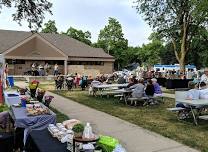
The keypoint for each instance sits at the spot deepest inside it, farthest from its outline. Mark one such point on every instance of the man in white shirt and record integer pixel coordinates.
(204, 77)
(189, 74)
(203, 94)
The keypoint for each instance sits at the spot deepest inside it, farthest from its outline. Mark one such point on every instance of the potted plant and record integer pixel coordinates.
(33, 86)
(78, 130)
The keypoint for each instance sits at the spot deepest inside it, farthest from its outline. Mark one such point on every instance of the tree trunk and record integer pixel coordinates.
(181, 55)
(182, 66)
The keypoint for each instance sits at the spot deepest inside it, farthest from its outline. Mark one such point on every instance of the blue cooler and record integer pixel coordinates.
(11, 81)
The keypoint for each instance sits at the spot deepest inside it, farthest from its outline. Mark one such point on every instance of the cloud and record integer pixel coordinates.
(91, 15)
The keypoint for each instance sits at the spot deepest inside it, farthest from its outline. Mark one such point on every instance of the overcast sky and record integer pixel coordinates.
(90, 15)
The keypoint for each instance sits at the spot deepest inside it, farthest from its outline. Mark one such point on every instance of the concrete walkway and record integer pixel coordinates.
(132, 137)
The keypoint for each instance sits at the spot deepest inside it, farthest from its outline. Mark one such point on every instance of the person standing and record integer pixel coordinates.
(33, 69)
(56, 68)
(6, 71)
(46, 69)
(40, 70)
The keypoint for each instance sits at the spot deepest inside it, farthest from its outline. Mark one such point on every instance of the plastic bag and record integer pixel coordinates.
(108, 143)
(88, 131)
(119, 148)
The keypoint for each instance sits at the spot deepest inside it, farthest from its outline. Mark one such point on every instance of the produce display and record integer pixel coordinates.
(60, 132)
(36, 109)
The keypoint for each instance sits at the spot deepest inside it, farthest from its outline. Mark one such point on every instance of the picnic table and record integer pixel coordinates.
(125, 93)
(193, 104)
(104, 86)
(110, 87)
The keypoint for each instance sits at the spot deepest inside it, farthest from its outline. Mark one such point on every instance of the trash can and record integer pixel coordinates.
(11, 81)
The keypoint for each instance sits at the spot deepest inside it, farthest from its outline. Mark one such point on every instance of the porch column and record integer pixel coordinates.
(65, 67)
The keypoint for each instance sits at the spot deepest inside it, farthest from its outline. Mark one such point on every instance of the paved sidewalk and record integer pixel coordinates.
(132, 137)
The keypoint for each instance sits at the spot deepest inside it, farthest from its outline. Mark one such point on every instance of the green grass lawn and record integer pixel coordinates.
(170, 91)
(155, 118)
(3, 108)
(60, 117)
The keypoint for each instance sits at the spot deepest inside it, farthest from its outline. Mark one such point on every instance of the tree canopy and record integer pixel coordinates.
(50, 27)
(30, 10)
(150, 53)
(176, 20)
(79, 35)
(112, 40)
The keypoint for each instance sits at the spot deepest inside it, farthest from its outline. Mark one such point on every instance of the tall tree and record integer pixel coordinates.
(150, 53)
(112, 40)
(30, 10)
(79, 35)
(199, 43)
(131, 55)
(50, 27)
(176, 20)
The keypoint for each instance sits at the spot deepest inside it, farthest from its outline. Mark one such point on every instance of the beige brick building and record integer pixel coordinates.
(21, 49)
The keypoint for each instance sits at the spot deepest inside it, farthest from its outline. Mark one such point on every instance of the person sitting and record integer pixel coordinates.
(92, 87)
(135, 80)
(130, 83)
(138, 89)
(157, 88)
(59, 82)
(121, 79)
(69, 82)
(192, 94)
(203, 92)
(149, 91)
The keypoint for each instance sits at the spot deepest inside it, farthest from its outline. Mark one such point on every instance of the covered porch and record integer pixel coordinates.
(37, 50)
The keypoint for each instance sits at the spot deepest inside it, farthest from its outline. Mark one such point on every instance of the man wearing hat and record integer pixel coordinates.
(204, 77)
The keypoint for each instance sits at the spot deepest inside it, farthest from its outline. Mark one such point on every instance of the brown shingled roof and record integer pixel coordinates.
(9, 39)
(67, 45)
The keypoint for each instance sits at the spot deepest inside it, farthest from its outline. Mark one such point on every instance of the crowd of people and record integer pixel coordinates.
(71, 81)
(43, 70)
(140, 87)
(169, 74)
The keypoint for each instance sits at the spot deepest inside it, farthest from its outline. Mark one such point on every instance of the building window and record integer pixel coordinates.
(13, 61)
(86, 63)
(20, 62)
(53, 62)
